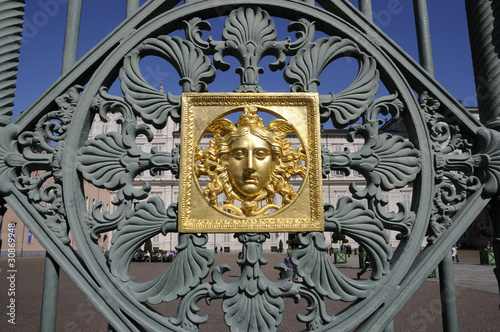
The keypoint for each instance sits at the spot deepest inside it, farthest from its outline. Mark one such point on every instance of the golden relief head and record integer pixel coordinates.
(250, 163)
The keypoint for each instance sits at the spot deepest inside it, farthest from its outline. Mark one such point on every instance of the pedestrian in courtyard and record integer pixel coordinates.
(367, 266)
(454, 253)
(288, 263)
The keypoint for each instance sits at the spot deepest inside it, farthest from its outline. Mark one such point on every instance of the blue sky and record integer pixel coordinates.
(41, 51)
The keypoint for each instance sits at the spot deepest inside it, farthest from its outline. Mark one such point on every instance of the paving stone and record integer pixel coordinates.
(476, 288)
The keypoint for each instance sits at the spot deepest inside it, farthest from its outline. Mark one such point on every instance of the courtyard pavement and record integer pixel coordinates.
(476, 289)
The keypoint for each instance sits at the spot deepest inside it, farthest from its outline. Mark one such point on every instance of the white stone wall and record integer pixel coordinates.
(165, 186)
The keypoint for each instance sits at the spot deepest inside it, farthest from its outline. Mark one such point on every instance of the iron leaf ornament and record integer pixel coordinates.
(306, 66)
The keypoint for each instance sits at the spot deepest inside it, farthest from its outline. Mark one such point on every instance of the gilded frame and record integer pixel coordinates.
(304, 213)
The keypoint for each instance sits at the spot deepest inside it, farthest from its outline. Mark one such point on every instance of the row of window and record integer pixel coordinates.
(105, 127)
(333, 198)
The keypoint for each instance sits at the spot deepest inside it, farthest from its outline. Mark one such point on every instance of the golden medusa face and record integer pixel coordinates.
(243, 163)
(249, 165)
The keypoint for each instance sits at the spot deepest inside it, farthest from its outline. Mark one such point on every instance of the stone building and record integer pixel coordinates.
(165, 186)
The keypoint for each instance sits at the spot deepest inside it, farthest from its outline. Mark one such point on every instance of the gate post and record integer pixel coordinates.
(12, 18)
(132, 7)
(484, 34)
(365, 6)
(51, 273)
(446, 274)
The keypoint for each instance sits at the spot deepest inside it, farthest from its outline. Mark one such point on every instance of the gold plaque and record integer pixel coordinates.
(250, 162)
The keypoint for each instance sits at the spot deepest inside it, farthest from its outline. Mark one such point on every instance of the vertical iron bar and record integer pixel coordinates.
(11, 19)
(49, 295)
(70, 52)
(446, 277)
(51, 273)
(484, 34)
(389, 327)
(132, 7)
(448, 296)
(365, 6)
(3, 210)
(423, 35)
(494, 210)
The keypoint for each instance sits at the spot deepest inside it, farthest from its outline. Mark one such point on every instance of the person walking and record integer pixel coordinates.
(367, 266)
(288, 263)
(454, 253)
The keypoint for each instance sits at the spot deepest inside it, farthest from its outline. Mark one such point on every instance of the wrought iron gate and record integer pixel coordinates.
(450, 159)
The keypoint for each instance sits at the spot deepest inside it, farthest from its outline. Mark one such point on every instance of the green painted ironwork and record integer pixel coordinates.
(365, 6)
(47, 155)
(481, 17)
(446, 276)
(132, 7)
(11, 16)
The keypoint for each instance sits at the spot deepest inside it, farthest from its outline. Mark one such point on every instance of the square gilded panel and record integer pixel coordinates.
(250, 162)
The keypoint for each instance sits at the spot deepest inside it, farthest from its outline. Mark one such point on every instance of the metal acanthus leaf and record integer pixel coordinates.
(352, 219)
(305, 68)
(323, 276)
(251, 303)
(191, 265)
(194, 69)
(387, 161)
(9, 158)
(488, 162)
(108, 163)
(145, 221)
(249, 36)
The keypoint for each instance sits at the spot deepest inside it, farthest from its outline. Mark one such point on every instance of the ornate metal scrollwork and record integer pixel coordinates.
(456, 166)
(46, 159)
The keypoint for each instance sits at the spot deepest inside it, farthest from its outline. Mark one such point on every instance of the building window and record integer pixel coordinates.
(385, 197)
(406, 198)
(337, 195)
